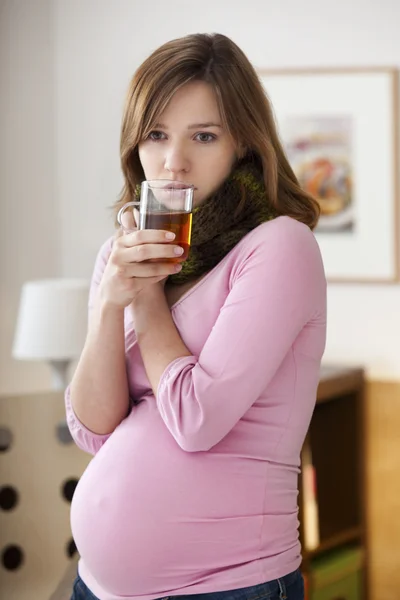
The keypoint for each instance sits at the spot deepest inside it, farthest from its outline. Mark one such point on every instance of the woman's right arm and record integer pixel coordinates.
(99, 389)
(97, 399)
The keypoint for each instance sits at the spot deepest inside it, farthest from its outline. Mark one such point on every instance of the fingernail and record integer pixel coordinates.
(178, 268)
(170, 236)
(178, 250)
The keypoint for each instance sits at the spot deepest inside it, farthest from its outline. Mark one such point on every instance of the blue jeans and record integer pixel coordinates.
(290, 587)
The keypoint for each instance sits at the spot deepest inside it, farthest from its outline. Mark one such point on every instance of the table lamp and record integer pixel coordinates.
(52, 324)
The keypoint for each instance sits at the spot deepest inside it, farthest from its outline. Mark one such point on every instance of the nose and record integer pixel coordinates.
(176, 160)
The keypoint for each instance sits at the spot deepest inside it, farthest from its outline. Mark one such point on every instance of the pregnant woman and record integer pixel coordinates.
(198, 379)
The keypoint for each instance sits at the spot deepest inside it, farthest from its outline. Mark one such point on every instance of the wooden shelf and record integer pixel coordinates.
(335, 445)
(337, 381)
(351, 535)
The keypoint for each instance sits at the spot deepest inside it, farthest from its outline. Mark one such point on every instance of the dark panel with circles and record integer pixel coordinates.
(12, 558)
(71, 548)
(68, 489)
(8, 497)
(6, 439)
(62, 433)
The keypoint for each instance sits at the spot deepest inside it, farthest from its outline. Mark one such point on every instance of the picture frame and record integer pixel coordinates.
(340, 131)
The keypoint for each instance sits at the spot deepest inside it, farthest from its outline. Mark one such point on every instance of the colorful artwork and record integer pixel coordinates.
(319, 150)
(339, 129)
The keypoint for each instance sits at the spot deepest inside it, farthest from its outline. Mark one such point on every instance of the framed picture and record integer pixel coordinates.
(340, 132)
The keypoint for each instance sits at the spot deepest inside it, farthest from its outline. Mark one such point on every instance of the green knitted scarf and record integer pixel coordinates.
(220, 222)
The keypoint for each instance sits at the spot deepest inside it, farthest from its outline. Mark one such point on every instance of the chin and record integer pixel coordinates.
(199, 201)
(197, 198)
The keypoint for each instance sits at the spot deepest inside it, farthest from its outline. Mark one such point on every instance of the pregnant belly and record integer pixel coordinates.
(146, 514)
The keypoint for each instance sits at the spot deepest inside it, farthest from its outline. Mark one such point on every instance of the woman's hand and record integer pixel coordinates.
(138, 259)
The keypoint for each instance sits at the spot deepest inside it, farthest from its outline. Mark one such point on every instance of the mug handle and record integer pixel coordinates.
(122, 210)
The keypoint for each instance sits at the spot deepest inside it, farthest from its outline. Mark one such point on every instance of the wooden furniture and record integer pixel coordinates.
(37, 474)
(336, 442)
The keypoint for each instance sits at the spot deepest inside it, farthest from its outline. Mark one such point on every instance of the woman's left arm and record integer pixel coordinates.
(279, 287)
(158, 338)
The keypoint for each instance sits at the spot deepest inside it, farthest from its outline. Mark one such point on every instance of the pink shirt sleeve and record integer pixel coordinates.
(82, 436)
(278, 288)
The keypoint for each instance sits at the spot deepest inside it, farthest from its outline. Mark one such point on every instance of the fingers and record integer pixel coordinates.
(146, 254)
(129, 221)
(146, 245)
(150, 252)
(146, 236)
(158, 270)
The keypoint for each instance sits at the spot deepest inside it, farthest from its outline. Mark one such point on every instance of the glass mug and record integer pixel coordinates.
(166, 205)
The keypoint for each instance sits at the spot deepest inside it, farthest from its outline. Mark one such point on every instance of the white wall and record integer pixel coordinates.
(29, 225)
(97, 46)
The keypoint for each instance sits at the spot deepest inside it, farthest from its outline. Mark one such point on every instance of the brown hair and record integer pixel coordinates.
(244, 107)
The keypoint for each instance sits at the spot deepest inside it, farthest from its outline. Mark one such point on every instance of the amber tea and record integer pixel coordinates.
(178, 222)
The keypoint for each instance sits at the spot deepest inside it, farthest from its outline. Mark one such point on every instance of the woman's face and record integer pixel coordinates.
(189, 143)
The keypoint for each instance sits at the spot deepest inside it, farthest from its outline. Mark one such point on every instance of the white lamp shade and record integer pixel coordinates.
(52, 319)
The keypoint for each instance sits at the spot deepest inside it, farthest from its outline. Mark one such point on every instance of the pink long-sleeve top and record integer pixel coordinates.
(196, 490)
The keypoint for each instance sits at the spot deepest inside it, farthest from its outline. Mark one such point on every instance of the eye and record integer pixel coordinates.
(205, 138)
(156, 136)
